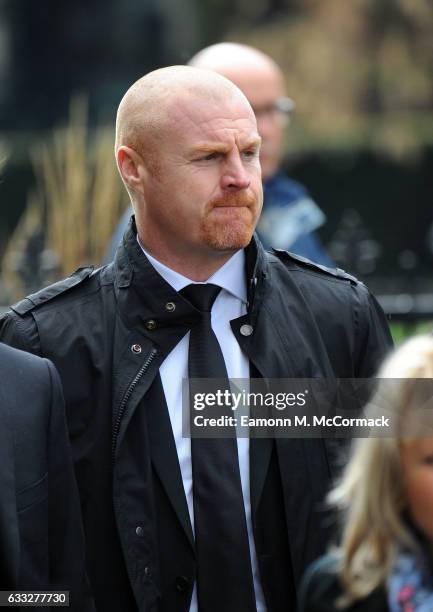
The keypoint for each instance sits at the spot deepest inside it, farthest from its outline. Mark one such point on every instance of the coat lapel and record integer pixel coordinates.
(149, 391)
(260, 455)
(273, 355)
(164, 454)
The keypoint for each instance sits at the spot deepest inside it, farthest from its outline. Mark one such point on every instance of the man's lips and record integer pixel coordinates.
(231, 206)
(240, 203)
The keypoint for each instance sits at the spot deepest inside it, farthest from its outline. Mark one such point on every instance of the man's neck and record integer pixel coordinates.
(198, 271)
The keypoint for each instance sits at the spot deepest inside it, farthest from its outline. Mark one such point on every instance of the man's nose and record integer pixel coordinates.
(235, 176)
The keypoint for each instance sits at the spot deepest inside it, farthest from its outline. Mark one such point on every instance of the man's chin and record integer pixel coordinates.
(228, 238)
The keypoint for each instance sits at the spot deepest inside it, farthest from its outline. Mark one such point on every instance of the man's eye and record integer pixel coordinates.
(208, 157)
(249, 153)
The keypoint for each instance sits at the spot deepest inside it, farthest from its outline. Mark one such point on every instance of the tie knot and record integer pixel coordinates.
(201, 296)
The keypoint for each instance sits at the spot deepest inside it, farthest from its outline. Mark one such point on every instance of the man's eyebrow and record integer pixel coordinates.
(210, 147)
(256, 141)
(219, 147)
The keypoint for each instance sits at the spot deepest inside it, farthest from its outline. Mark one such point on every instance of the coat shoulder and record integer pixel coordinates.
(18, 325)
(79, 279)
(297, 263)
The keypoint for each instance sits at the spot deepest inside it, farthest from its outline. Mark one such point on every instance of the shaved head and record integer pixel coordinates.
(187, 150)
(232, 59)
(146, 110)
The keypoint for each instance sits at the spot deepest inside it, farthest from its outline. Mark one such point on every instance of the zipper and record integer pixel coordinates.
(126, 397)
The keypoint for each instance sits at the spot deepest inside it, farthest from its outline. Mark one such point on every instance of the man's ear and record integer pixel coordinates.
(131, 168)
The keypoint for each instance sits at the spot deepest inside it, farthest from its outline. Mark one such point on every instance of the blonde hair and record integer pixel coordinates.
(370, 494)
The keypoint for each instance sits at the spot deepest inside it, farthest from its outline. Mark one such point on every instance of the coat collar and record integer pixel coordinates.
(230, 276)
(133, 271)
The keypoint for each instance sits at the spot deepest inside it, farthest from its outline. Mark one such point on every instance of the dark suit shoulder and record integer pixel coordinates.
(25, 400)
(301, 264)
(14, 360)
(25, 378)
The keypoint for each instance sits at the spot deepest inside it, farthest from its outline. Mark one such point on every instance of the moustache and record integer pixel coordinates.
(234, 199)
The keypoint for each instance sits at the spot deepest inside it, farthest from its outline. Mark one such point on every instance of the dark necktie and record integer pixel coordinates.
(224, 576)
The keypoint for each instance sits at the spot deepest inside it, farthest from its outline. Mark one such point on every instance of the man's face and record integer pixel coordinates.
(263, 86)
(203, 192)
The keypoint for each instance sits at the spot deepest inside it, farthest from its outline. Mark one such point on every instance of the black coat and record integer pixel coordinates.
(41, 534)
(321, 588)
(108, 331)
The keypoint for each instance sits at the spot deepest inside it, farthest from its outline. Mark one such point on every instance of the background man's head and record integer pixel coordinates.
(262, 81)
(187, 149)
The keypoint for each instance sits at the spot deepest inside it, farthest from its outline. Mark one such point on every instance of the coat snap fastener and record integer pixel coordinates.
(150, 324)
(170, 306)
(139, 531)
(136, 348)
(147, 571)
(246, 330)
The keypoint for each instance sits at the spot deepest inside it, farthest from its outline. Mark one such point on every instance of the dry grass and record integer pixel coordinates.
(79, 187)
(28, 225)
(78, 201)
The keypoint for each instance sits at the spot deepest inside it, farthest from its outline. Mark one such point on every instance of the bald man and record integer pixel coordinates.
(173, 523)
(290, 217)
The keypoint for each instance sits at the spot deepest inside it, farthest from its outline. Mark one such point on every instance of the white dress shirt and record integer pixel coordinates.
(230, 303)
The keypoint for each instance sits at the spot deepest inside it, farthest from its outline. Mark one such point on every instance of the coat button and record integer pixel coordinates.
(170, 306)
(150, 324)
(182, 583)
(147, 571)
(139, 531)
(136, 348)
(246, 330)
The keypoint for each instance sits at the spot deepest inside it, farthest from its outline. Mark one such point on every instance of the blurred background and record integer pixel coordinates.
(361, 140)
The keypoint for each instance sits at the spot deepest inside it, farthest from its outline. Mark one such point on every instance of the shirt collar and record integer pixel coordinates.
(231, 276)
